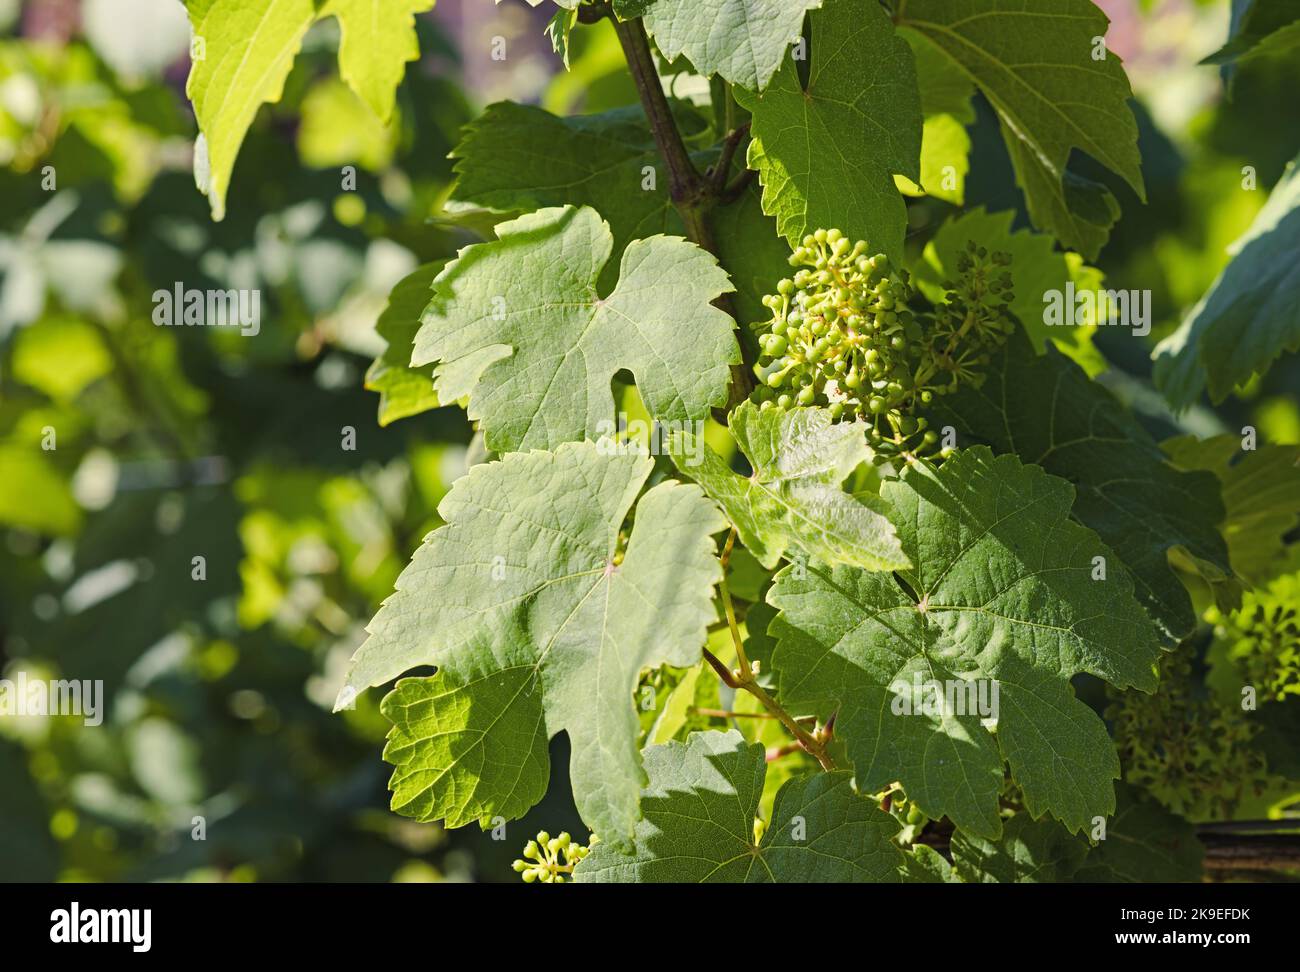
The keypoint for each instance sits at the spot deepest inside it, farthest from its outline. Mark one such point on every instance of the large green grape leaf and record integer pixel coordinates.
(519, 326)
(1261, 496)
(1046, 410)
(827, 154)
(745, 41)
(1028, 852)
(698, 823)
(1037, 268)
(1035, 65)
(1144, 844)
(520, 157)
(1001, 595)
(247, 50)
(535, 629)
(793, 498)
(1251, 313)
(403, 390)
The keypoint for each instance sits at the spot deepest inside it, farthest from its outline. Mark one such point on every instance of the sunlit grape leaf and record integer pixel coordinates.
(247, 52)
(946, 94)
(243, 53)
(1144, 844)
(826, 155)
(1251, 313)
(1037, 65)
(794, 499)
(1029, 851)
(744, 41)
(376, 40)
(1047, 411)
(698, 823)
(519, 326)
(1001, 594)
(1261, 496)
(519, 157)
(403, 390)
(1037, 268)
(535, 630)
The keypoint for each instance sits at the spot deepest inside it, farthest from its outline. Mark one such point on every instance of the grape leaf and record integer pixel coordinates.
(946, 110)
(247, 53)
(744, 41)
(1250, 314)
(1028, 852)
(1035, 65)
(518, 325)
(1261, 494)
(1145, 844)
(925, 865)
(826, 155)
(247, 50)
(519, 157)
(793, 499)
(1036, 269)
(558, 29)
(534, 630)
(698, 823)
(376, 40)
(1259, 28)
(1045, 410)
(1001, 589)
(403, 390)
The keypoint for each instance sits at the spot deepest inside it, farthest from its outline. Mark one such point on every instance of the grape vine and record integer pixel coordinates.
(839, 614)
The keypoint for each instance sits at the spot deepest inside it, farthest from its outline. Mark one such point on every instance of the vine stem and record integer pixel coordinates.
(743, 676)
(684, 184)
(692, 195)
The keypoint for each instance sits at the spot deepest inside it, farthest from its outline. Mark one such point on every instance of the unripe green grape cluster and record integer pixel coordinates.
(844, 336)
(548, 859)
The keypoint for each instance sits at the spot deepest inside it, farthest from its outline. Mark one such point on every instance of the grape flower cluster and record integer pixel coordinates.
(1193, 753)
(844, 336)
(548, 859)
